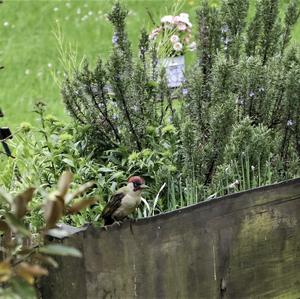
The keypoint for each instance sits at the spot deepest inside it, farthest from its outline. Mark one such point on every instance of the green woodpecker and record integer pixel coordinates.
(124, 201)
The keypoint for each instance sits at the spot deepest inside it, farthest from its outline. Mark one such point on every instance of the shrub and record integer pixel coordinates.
(119, 99)
(244, 94)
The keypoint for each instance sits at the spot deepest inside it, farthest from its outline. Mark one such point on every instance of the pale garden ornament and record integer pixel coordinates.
(172, 39)
(174, 70)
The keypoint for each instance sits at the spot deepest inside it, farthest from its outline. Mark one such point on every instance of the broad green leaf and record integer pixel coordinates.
(69, 162)
(57, 249)
(23, 289)
(105, 169)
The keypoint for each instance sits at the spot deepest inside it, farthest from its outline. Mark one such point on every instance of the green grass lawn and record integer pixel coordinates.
(28, 48)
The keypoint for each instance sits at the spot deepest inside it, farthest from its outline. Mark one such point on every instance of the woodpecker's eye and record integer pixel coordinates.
(136, 184)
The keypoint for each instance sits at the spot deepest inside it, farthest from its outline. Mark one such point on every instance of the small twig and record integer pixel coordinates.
(26, 256)
(150, 16)
(10, 136)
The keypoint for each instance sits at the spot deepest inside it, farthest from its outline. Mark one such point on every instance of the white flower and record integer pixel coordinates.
(90, 13)
(193, 46)
(167, 19)
(78, 11)
(290, 123)
(27, 72)
(5, 24)
(177, 46)
(174, 39)
(184, 15)
(68, 4)
(49, 65)
(181, 26)
(179, 19)
(67, 18)
(55, 8)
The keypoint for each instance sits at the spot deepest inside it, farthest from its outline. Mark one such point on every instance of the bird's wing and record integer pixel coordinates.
(113, 204)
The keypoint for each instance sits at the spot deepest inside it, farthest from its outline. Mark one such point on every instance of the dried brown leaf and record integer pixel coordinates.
(35, 270)
(45, 259)
(4, 227)
(53, 210)
(55, 195)
(5, 271)
(64, 183)
(20, 202)
(82, 189)
(82, 204)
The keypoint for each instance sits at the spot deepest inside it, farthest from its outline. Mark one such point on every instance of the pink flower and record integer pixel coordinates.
(181, 26)
(154, 33)
(177, 19)
(174, 39)
(183, 18)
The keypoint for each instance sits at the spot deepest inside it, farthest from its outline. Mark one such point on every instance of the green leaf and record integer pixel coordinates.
(16, 225)
(8, 293)
(5, 196)
(105, 169)
(23, 289)
(57, 249)
(69, 162)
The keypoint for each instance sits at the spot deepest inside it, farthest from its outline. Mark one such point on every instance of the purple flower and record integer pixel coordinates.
(224, 28)
(227, 40)
(185, 91)
(115, 38)
(239, 101)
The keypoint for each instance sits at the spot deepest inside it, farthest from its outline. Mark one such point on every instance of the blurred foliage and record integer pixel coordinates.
(23, 254)
(234, 125)
(243, 98)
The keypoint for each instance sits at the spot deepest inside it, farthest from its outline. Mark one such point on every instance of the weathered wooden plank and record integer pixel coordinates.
(245, 245)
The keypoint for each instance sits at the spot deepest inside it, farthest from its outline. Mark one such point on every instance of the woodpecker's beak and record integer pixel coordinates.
(143, 186)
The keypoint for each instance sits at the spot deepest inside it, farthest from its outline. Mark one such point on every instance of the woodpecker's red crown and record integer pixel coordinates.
(136, 179)
(137, 182)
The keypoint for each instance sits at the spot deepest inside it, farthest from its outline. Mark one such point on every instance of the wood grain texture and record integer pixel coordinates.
(245, 245)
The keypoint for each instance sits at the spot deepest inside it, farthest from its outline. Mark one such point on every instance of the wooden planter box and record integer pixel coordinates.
(245, 245)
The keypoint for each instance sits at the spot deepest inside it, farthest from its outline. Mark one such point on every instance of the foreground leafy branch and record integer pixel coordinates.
(23, 254)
